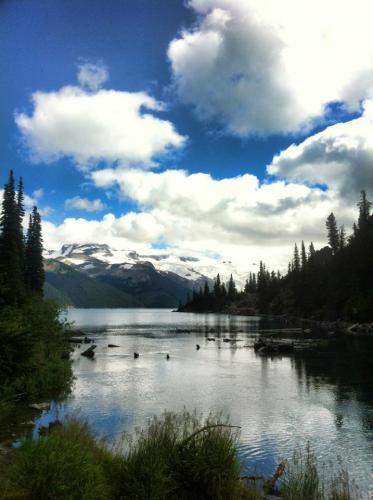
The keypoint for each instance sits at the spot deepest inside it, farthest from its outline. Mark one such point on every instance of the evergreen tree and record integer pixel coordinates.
(342, 238)
(311, 251)
(303, 256)
(11, 243)
(34, 254)
(333, 235)
(232, 290)
(296, 260)
(217, 287)
(364, 211)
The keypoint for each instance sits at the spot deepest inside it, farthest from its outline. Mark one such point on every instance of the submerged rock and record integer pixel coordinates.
(90, 352)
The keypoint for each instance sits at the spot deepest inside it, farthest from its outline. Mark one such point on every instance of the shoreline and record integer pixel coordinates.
(334, 327)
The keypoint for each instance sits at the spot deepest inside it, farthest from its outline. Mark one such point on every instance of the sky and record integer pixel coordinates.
(227, 129)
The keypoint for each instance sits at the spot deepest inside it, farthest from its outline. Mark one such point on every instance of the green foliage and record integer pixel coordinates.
(66, 464)
(335, 282)
(11, 244)
(34, 269)
(177, 456)
(302, 480)
(34, 359)
(165, 462)
(34, 355)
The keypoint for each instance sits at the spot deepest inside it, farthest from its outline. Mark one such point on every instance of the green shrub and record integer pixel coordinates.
(182, 456)
(34, 358)
(65, 464)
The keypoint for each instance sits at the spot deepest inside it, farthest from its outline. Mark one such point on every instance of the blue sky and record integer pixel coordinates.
(228, 84)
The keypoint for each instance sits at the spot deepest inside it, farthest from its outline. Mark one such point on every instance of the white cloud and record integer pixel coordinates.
(239, 218)
(341, 157)
(78, 203)
(38, 193)
(92, 76)
(29, 203)
(267, 67)
(107, 125)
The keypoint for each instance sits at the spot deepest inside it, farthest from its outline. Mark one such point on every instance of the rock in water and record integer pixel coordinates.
(90, 352)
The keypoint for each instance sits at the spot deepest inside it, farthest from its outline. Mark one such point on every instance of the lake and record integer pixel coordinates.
(324, 398)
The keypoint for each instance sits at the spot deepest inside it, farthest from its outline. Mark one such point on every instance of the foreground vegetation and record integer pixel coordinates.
(34, 354)
(335, 282)
(177, 456)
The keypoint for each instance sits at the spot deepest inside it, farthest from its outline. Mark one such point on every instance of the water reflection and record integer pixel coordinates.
(325, 397)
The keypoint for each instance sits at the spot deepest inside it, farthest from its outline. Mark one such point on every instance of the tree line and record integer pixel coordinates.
(335, 282)
(21, 255)
(34, 354)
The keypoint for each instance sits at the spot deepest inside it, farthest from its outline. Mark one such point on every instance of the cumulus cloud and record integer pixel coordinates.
(92, 76)
(273, 67)
(340, 157)
(78, 203)
(242, 218)
(132, 231)
(106, 125)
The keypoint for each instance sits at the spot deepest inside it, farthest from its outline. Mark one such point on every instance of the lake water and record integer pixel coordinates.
(325, 398)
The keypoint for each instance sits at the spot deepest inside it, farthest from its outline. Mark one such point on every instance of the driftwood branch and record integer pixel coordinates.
(251, 478)
(206, 428)
(270, 484)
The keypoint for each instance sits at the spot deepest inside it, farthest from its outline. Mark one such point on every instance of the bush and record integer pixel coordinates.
(182, 456)
(65, 464)
(34, 358)
(177, 456)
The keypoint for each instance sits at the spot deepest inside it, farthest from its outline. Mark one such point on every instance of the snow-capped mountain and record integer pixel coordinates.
(94, 258)
(95, 275)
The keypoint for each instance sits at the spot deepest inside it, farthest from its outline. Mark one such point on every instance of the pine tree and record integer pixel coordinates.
(217, 287)
(303, 257)
(311, 251)
(296, 260)
(342, 238)
(333, 235)
(34, 254)
(11, 243)
(232, 290)
(364, 211)
(21, 215)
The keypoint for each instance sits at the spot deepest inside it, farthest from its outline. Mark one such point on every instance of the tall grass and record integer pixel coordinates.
(182, 456)
(302, 480)
(178, 456)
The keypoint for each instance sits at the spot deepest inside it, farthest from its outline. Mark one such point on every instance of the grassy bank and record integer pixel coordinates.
(177, 456)
(34, 354)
